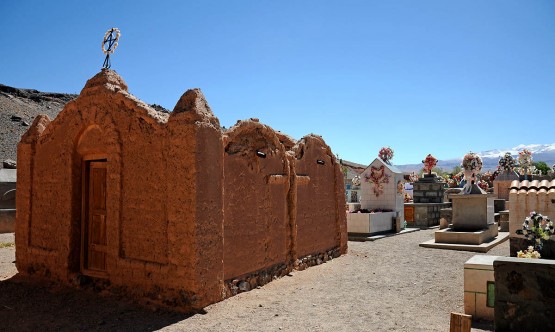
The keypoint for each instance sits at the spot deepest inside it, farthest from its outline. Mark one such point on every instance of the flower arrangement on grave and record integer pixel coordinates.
(429, 163)
(528, 253)
(525, 162)
(472, 165)
(386, 154)
(506, 163)
(537, 228)
(458, 176)
(488, 177)
(378, 177)
(525, 158)
(407, 198)
(483, 185)
(452, 183)
(356, 180)
(413, 177)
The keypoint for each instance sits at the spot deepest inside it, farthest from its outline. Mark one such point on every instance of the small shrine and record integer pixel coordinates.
(428, 194)
(381, 199)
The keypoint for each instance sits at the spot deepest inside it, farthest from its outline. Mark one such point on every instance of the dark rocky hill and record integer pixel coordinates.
(18, 109)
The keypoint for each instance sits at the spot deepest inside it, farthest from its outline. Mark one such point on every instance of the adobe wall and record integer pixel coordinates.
(257, 228)
(153, 248)
(193, 215)
(319, 216)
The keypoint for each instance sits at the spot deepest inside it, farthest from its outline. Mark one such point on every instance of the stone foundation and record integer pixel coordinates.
(450, 235)
(260, 278)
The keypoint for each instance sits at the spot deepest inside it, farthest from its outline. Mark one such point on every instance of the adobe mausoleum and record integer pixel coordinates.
(169, 206)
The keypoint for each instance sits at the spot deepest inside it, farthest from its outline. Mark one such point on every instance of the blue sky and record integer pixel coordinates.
(440, 77)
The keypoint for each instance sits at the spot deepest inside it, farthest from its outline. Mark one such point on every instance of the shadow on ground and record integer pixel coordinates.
(26, 305)
(482, 326)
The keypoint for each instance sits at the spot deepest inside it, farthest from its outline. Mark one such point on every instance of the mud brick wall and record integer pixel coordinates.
(319, 219)
(148, 249)
(192, 214)
(257, 231)
(524, 294)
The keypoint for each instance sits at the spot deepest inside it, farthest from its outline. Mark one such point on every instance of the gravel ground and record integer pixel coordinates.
(387, 285)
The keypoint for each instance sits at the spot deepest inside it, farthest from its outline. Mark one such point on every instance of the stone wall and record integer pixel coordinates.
(187, 207)
(524, 294)
(426, 214)
(427, 191)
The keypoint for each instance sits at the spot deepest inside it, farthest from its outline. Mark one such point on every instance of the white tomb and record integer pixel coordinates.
(381, 189)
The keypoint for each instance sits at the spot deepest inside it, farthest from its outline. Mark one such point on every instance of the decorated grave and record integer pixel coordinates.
(381, 200)
(427, 203)
(473, 227)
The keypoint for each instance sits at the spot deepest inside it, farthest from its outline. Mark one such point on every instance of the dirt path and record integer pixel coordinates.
(388, 285)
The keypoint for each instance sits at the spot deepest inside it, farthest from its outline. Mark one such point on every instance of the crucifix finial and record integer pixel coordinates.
(109, 45)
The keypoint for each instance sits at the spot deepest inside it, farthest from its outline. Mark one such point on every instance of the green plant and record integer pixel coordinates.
(457, 169)
(542, 166)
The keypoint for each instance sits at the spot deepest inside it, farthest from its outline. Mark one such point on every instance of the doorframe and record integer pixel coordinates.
(85, 177)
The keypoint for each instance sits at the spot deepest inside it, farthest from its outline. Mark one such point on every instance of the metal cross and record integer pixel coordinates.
(109, 45)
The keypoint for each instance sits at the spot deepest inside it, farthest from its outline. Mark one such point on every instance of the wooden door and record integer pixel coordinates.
(94, 227)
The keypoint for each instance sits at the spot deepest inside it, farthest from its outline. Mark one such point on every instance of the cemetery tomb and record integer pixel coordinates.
(166, 207)
(427, 202)
(382, 201)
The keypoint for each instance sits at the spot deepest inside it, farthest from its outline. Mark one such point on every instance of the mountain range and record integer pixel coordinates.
(490, 158)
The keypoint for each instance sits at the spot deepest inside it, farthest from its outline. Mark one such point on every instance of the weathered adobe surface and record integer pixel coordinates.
(187, 206)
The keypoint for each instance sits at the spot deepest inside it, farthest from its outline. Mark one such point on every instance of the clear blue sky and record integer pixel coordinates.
(440, 77)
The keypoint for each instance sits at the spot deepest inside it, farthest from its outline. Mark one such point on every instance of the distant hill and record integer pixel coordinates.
(490, 158)
(18, 109)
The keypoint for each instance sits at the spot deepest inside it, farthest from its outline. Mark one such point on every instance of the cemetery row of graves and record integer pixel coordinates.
(471, 211)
